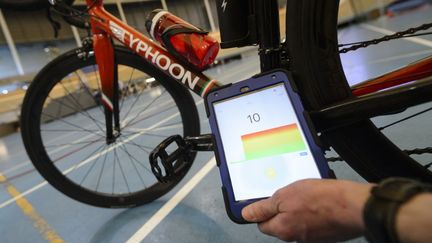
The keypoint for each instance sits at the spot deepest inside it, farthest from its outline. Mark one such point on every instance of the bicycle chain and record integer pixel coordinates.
(364, 44)
(397, 35)
(427, 150)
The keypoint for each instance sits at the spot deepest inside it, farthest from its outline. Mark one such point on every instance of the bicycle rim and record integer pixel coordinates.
(63, 128)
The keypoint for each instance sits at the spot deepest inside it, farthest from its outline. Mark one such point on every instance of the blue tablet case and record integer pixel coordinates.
(258, 82)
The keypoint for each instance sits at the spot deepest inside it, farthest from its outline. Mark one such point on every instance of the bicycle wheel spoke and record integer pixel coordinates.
(72, 108)
(59, 109)
(134, 103)
(70, 124)
(84, 161)
(121, 169)
(127, 86)
(150, 116)
(97, 77)
(88, 171)
(87, 89)
(81, 109)
(130, 156)
(142, 147)
(113, 181)
(145, 108)
(98, 82)
(404, 119)
(74, 151)
(101, 171)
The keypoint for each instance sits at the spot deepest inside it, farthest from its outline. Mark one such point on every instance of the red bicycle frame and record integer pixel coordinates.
(104, 26)
(414, 71)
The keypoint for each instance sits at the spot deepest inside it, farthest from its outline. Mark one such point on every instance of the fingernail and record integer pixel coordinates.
(245, 213)
(249, 214)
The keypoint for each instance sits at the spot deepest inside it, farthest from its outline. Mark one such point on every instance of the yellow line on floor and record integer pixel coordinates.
(38, 222)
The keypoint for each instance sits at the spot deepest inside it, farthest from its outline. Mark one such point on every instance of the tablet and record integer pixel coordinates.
(263, 140)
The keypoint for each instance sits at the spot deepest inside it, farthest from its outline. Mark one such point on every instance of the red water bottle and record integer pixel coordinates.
(182, 39)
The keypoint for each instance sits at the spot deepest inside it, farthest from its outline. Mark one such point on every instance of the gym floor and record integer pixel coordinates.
(33, 211)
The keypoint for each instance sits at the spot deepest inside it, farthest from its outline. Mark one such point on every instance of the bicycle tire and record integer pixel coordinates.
(311, 37)
(26, 5)
(59, 76)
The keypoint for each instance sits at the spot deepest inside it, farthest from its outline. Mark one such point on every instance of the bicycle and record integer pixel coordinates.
(310, 53)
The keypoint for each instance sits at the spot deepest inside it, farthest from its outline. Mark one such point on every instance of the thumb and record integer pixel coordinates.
(260, 211)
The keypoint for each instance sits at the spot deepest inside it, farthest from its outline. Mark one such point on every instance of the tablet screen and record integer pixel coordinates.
(263, 142)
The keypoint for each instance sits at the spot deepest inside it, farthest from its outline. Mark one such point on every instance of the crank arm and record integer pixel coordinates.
(166, 165)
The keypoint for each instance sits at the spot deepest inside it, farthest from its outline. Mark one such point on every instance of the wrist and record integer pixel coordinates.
(414, 219)
(355, 197)
(384, 203)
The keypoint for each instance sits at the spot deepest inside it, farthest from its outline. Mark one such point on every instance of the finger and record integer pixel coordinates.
(260, 211)
(278, 227)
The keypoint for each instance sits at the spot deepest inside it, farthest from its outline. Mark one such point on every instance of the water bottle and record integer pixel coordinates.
(182, 39)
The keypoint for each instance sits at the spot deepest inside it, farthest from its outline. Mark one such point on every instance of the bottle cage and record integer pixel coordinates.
(179, 29)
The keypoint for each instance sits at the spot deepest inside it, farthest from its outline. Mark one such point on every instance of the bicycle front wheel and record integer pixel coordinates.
(26, 5)
(63, 128)
(312, 44)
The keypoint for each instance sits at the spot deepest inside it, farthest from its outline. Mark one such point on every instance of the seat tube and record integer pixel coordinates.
(267, 12)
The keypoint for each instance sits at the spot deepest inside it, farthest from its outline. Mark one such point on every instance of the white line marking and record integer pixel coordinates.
(117, 145)
(40, 185)
(172, 203)
(61, 137)
(10, 158)
(389, 32)
(156, 129)
(12, 200)
(28, 162)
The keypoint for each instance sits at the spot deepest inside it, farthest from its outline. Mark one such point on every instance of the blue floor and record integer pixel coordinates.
(200, 216)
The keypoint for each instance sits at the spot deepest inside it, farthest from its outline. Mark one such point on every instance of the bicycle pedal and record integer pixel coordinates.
(165, 166)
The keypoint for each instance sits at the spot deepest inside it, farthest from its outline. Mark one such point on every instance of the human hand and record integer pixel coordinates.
(312, 211)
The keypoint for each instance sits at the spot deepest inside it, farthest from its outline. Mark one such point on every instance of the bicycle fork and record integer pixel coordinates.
(106, 61)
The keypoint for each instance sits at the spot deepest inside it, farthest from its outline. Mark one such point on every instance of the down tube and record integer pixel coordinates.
(159, 57)
(153, 53)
